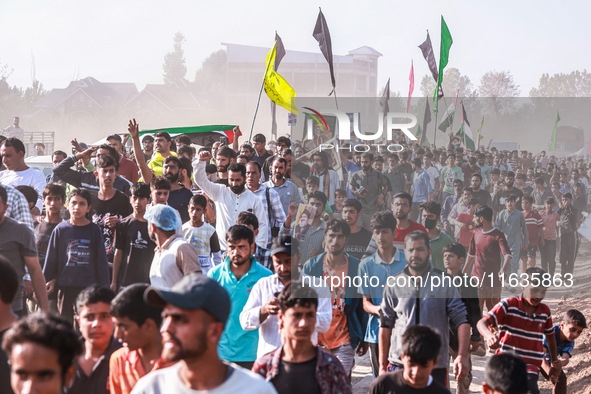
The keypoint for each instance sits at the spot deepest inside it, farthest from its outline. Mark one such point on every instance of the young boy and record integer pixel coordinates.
(201, 235)
(565, 334)
(30, 195)
(96, 327)
(548, 244)
(313, 184)
(521, 321)
(340, 195)
(262, 255)
(420, 349)
(76, 255)
(134, 249)
(505, 374)
(137, 325)
(568, 227)
(535, 231)
(54, 197)
(454, 256)
(467, 221)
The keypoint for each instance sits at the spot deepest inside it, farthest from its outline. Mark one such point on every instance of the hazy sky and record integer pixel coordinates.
(125, 41)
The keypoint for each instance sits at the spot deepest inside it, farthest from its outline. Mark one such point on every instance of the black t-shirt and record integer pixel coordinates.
(357, 243)
(393, 383)
(43, 231)
(138, 251)
(503, 194)
(179, 200)
(117, 206)
(297, 378)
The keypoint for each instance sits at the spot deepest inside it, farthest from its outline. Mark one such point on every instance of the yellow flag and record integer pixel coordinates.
(277, 87)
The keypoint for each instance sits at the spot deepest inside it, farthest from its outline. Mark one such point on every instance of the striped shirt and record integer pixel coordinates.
(520, 333)
(534, 222)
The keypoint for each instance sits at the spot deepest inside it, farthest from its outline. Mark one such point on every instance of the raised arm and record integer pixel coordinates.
(134, 130)
(235, 145)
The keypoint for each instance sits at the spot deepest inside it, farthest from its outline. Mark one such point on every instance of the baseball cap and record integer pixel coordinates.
(194, 291)
(163, 216)
(284, 244)
(115, 136)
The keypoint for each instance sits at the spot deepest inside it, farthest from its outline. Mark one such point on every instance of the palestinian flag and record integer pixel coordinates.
(200, 135)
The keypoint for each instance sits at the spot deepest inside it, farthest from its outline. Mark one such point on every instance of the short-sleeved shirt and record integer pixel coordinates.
(487, 247)
(117, 206)
(549, 222)
(393, 383)
(179, 200)
(561, 346)
(357, 243)
(437, 244)
(17, 241)
(375, 267)
(138, 250)
(98, 380)
(448, 175)
(126, 368)
(519, 333)
(534, 222)
(236, 344)
(465, 232)
(337, 334)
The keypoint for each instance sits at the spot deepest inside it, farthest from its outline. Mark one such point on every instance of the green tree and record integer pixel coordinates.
(498, 91)
(174, 66)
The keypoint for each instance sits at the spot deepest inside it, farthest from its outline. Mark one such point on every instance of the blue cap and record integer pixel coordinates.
(163, 216)
(194, 291)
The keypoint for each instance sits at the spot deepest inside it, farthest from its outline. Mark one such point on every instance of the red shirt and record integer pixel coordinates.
(402, 233)
(128, 170)
(520, 333)
(534, 222)
(486, 247)
(466, 232)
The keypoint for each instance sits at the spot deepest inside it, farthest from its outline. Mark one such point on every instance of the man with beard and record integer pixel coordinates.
(345, 335)
(127, 168)
(505, 192)
(179, 196)
(174, 257)
(224, 158)
(283, 143)
(437, 238)
(485, 250)
(360, 236)
(433, 305)
(153, 167)
(329, 179)
(478, 192)
(195, 313)
(238, 273)
(147, 147)
(262, 308)
(370, 188)
(401, 206)
(287, 190)
(268, 196)
(231, 200)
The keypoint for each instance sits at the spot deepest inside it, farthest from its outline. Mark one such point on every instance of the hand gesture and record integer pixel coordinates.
(76, 145)
(236, 130)
(87, 154)
(134, 129)
(205, 156)
(292, 210)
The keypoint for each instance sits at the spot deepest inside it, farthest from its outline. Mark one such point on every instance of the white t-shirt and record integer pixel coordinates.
(167, 380)
(29, 177)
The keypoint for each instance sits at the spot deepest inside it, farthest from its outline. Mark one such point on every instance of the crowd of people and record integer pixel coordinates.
(149, 265)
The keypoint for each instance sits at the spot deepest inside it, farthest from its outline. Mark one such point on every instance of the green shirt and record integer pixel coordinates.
(448, 175)
(437, 245)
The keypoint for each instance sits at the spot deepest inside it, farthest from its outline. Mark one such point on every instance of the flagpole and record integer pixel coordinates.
(335, 97)
(256, 111)
(434, 127)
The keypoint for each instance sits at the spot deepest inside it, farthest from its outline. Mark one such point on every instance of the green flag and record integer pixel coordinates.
(555, 133)
(446, 42)
(478, 136)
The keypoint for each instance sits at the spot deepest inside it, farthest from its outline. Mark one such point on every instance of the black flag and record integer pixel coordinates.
(322, 35)
(385, 98)
(426, 120)
(427, 50)
(279, 51)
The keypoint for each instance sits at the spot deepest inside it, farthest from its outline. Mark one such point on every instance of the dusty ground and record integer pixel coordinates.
(579, 369)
